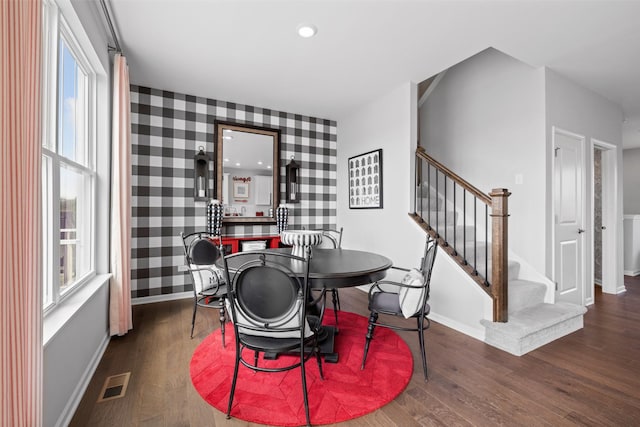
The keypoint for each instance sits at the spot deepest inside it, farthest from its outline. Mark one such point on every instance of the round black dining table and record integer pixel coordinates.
(338, 268)
(333, 269)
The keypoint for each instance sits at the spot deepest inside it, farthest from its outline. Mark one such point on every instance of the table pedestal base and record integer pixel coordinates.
(327, 338)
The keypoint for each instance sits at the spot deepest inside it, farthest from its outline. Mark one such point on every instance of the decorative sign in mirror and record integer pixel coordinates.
(247, 172)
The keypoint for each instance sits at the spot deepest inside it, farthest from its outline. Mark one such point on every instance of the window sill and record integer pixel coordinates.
(60, 315)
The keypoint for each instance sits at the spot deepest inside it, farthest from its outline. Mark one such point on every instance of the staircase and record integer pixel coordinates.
(522, 320)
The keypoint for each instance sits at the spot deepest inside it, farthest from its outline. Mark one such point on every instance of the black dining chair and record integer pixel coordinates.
(407, 299)
(332, 239)
(268, 297)
(209, 286)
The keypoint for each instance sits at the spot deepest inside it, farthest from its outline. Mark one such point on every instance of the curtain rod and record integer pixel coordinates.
(118, 49)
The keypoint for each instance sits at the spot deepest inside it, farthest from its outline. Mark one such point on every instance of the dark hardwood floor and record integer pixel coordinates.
(588, 378)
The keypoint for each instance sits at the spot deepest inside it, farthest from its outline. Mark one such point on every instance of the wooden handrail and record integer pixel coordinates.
(497, 200)
(460, 181)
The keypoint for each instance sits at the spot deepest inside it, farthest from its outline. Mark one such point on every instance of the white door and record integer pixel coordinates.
(568, 199)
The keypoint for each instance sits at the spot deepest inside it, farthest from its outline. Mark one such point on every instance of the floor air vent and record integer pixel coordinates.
(114, 387)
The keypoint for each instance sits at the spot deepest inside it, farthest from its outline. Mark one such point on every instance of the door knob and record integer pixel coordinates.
(580, 231)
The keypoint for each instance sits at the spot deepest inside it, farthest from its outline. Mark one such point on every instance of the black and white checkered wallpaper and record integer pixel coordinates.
(167, 128)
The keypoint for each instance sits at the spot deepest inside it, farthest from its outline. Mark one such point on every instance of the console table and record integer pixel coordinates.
(234, 244)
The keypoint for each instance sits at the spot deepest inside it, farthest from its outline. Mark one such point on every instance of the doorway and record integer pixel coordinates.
(604, 198)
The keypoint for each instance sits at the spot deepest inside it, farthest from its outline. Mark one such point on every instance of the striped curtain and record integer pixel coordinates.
(120, 288)
(20, 214)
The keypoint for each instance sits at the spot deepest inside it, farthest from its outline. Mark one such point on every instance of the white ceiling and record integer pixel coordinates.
(248, 51)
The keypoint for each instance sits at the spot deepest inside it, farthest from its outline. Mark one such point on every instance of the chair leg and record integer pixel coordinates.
(193, 318)
(304, 387)
(335, 298)
(319, 360)
(222, 320)
(234, 381)
(373, 318)
(422, 346)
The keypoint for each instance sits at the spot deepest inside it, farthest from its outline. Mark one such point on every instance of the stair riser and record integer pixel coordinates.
(524, 345)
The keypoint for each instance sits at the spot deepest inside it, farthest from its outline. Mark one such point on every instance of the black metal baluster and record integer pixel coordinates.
(475, 235)
(455, 209)
(486, 244)
(429, 192)
(437, 207)
(464, 225)
(418, 192)
(446, 231)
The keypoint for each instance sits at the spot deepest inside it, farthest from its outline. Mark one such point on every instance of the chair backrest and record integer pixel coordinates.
(201, 255)
(267, 293)
(331, 239)
(414, 295)
(199, 248)
(427, 261)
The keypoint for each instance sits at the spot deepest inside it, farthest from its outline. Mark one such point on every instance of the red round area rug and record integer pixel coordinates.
(276, 398)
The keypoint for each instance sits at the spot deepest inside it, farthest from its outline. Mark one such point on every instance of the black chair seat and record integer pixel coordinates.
(272, 345)
(389, 303)
(216, 292)
(281, 345)
(385, 302)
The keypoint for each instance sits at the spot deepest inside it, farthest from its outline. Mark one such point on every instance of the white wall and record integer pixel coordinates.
(576, 109)
(388, 123)
(631, 173)
(72, 354)
(485, 122)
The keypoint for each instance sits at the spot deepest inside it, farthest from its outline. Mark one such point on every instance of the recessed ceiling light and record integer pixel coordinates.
(259, 162)
(307, 30)
(226, 160)
(227, 137)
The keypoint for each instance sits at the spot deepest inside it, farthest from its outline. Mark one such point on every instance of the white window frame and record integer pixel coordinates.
(54, 27)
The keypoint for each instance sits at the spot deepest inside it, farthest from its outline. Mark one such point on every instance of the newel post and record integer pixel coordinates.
(499, 252)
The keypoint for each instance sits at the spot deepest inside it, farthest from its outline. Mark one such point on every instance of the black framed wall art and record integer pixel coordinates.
(365, 180)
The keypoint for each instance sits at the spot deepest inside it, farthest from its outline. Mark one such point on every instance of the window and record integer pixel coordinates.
(68, 161)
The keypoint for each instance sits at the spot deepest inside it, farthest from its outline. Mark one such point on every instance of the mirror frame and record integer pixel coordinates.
(220, 126)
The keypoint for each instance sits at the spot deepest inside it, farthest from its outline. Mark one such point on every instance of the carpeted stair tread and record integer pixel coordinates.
(525, 293)
(535, 318)
(534, 326)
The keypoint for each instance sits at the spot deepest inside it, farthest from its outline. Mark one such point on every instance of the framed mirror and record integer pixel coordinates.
(247, 172)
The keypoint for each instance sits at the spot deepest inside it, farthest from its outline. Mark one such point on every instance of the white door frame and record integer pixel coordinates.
(589, 233)
(609, 210)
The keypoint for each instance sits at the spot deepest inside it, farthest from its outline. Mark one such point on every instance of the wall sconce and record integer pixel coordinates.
(293, 187)
(201, 175)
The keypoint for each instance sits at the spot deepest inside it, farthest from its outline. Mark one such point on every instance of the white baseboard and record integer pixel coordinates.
(478, 334)
(631, 272)
(73, 403)
(161, 298)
